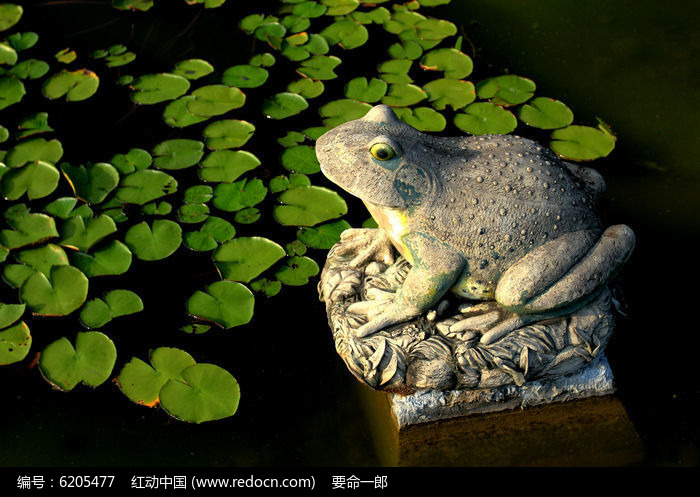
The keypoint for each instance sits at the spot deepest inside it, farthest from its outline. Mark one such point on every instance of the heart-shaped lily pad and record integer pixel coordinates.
(135, 159)
(10, 313)
(228, 133)
(262, 60)
(231, 197)
(155, 88)
(8, 55)
(452, 62)
(93, 182)
(365, 91)
(27, 228)
(226, 303)
(27, 69)
(407, 50)
(300, 158)
(73, 85)
(379, 15)
(323, 236)
(58, 295)
(546, 113)
(35, 149)
(582, 143)
(307, 88)
(177, 154)
(243, 259)
(81, 234)
(296, 271)
(34, 124)
(422, 118)
(145, 186)
(283, 105)
(156, 242)
(343, 7)
(15, 343)
(192, 213)
(308, 206)
(346, 33)
(36, 259)
(226, 166)
(36, 180)
(483, 118)
(320, 67)
(90, 362)
(403, 95)
(215, 230)
(177, 113)
(248, 215)
(245, 76)
(98, 312)
(508, 89)
(453, 92)
(10, 14)
(198, 194)
(214, 100)
(113, 259)
(340, 111)
(269, 288)
(395, 71)
(193, 68)
(11, 91)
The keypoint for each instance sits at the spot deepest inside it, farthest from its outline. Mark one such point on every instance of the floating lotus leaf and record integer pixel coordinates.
(406, 50)
(320, 67)
(245, 76)
(10, 14)
(361, 89)
(36, 179)
(142, 5)
(546, 113)
(340, 111)
(247, 216)
(157, 208)
(272, 33)
(62, 207)
(395, 71)
(34, 124)
(192, 213)
(323, 236)
(315, 132)
(4, 134)
(296, 271)
(309, 9)
(291, 138)
(59, 294)
(135, 159)
(193, 68)
(215, 230)
(178, 115)
(42, 259)
(434, 29)
(294, 53)
(177, 154)
(231, 197)
(582, 143)
(308, 206)
(279, 184)
(16, 274)
(403, 95)
(379, 15)
(226, 303)
(283, 105)
(66, 56)
(447, 91)
(27, 228)
(144, 186)
(226, 166)
(296, 247)
(141, 383)
(199, 194)
(121, 59)
(11, 91)
(295, 24)
(118, 49)
(262, 60)
(196, 328)
(90, 362)
(10, 313)
(243, 259)
(317, 45)
(506, 90)
(208, 393)
(298, 179)
(23, 41)
(346, 33)
(15, 343)
(341, 7)
(402, 20)
(113, 259)
(8, 55)
(155, 88)
(452, 62)
(300, 158)
(93, 182)
(250, 23)
(297, 39)
(228, 133)
(483, 118)
(214, 100)
(81, 234)
(30, 69)
(422, 118)
(156, 242)
(269, 288)
(73, 85)
(36, 149)
(98, 312)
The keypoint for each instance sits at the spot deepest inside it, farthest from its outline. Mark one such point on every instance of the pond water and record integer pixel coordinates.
(633, 64)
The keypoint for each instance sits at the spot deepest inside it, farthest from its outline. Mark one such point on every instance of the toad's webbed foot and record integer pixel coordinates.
(365, 244)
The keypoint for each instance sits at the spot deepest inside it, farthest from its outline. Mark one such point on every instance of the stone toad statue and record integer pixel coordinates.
(488, 218)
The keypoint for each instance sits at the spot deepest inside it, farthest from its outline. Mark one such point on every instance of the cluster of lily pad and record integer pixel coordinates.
(53, 253)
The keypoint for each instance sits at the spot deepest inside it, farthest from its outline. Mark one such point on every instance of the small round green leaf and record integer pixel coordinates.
(193, 68)
(73, 85)
(15, 343)
(483, 118)
(156, 242)
(155, 88)
(308, 206)
(58, 295)
(226, 303)
(506, 90)
(296, 271)
(177, 154)
(582, 143)
(245, 76)
(301, 159)
(113, 259)
(229, 133)
(283, 105)
(546, 113)
(226, 166)
(243, 259)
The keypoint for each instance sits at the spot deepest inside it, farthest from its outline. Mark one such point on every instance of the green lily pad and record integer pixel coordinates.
(323, 236)
(300, 158)
(364, 91)
(157, 208)
(297, 247)
(81, 234)
(283, 105)
(120, 59)
(506, 90)
(90, 362)
(243, 259)
(142, 383)
(177, 154)
(250, 23)
(309, 9)
(10, 313)
(452, 62)
(406, 50)
(395, 71)
(342, 7)
(192, 213)
(320, 67)
(156, 242)
(279, 184)
(135, 159)
(155, 88)
(196, 328)
(231, 197)
(193, 69)
(113, 259)
(75, 86)
(269, 288)
(296, 271)
(42, 258)
(402, 20)
(453, 92)
(315, 132)
(98, 312)
(308, 206)
(245, 76)
(27, 228)
(226, 303)
(226, 166)
(291, 138)
(16, 274)
(141, 5)
(346, 33)
(145, 186)
(10, 14)
(299, 179)
(59, 294)
(483, 118)
(208, 393)
(582, 143)
(11, 91)
(248, 215)
(36, 180)
(198, 194)
(215, 230)
(93, 182)
(34, 124)
(178, 115)
(272, 33)
(262, 60)
(546, 113)
(228, 133)
(307, 88)
(379, 15)
(295, 24)
(403, 95)
(23, 41)
(214, 100)
(433, 30)
(340, 111)
(30, 69)
(15, 343)
(422, 118)
(35, 149)
(8, 55)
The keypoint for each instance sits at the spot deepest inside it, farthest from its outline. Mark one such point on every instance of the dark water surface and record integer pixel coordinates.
(633, 64)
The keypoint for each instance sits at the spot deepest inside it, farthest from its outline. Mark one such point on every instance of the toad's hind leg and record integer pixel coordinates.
(566, 272)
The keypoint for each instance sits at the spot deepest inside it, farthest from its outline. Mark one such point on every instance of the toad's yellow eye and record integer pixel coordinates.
(382, 151)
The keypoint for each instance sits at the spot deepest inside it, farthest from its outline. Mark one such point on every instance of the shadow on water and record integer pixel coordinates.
(633, 64)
